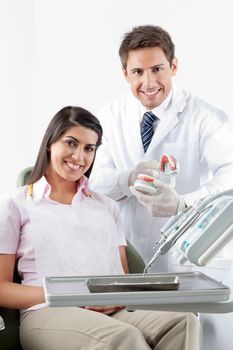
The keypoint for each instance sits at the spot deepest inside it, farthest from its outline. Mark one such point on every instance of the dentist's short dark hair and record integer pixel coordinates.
(146, 36)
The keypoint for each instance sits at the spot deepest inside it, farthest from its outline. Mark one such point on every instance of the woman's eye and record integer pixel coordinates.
(70, 143)
(90, 149)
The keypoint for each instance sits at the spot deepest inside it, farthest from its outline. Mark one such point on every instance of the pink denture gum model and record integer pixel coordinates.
(145, 183)
(169, 165)
(169, 168)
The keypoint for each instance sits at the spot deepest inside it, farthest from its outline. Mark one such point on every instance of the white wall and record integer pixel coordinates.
(16, 71)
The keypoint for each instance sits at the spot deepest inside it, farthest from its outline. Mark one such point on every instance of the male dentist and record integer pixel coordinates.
(153, 119)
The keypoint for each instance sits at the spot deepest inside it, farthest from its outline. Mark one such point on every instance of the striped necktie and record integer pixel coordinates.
(147, 129)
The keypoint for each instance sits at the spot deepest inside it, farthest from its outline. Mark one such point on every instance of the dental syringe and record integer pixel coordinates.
(170, 236)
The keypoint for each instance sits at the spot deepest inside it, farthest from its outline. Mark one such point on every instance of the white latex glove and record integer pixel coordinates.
(148, 168)
(164, 202)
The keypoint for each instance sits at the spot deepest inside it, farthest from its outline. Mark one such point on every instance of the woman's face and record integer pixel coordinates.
(72, 154)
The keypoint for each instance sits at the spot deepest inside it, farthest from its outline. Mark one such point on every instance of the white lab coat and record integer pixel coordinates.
(197, 134)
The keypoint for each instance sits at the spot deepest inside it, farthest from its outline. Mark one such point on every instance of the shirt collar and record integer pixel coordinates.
(42, 188)
(160, 110)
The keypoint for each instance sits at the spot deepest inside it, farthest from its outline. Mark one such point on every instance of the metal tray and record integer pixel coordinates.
(194, 287)
(134, 283)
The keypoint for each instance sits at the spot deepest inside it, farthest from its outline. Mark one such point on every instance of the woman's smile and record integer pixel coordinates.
(73, 166)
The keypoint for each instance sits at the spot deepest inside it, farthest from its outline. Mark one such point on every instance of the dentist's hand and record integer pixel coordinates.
(148, 168)
(164, 202)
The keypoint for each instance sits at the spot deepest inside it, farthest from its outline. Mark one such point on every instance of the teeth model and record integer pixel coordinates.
(145, 183)
(169, 165)
(169, 168)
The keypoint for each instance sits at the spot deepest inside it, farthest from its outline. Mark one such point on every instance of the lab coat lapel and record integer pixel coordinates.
(163, 129)
(171, 119)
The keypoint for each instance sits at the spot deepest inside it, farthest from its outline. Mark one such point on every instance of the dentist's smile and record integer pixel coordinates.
(151, 92)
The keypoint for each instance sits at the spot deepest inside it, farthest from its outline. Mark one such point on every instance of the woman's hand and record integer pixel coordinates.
(107, 309)
(15, 295)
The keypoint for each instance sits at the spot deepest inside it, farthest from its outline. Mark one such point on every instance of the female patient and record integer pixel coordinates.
(55, 226)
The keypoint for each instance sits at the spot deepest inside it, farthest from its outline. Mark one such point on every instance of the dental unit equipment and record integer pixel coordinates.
(198, 232)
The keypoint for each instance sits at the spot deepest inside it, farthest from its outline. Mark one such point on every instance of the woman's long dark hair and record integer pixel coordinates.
(65, 119)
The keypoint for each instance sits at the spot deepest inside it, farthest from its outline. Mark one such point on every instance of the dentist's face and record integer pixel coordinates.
(72, 154)
(150, 75)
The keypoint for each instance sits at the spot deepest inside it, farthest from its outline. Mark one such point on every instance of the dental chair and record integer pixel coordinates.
(9, 337)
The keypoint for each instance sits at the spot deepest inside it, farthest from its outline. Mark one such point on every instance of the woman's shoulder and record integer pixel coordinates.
(15, 196)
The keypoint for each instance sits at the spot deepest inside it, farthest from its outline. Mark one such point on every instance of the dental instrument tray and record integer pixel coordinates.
(134, 289)
(134, 283)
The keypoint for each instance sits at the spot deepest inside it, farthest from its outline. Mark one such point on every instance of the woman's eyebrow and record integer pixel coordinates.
(74, 138)
(91, 144)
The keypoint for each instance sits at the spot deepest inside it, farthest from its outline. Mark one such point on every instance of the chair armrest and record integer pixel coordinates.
(2, 325)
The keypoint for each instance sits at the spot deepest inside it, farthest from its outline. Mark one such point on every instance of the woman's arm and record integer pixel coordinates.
(15, 295)
(123, 257)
